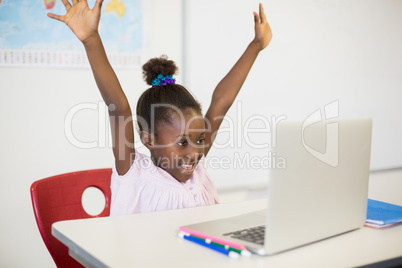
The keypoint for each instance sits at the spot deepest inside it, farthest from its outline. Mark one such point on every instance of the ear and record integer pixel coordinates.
(147, 139)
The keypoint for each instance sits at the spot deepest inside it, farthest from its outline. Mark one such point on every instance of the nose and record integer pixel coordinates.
(194, 152)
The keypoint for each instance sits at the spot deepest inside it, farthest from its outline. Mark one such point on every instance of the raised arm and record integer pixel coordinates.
(228, 88)
(84, 22)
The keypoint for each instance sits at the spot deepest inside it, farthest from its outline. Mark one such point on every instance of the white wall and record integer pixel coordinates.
(35, 102)
(322, 51)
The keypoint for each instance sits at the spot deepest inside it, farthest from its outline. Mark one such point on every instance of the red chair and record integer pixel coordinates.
(59, 198)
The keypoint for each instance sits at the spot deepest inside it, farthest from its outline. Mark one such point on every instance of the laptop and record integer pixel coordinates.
(319, 191)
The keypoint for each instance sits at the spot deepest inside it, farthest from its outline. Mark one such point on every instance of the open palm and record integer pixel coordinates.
(82, 20)
(263, 33)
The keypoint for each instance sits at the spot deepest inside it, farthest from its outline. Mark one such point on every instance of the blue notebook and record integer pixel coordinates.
(381, 214)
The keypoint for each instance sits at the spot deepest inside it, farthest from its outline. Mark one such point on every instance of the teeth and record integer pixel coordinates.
(186, 166)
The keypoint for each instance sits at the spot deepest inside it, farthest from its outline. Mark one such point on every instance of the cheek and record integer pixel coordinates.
(157, 154)
(167, 154)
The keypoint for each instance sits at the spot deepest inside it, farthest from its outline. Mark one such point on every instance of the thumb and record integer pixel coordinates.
(56, 17)
(256, 17)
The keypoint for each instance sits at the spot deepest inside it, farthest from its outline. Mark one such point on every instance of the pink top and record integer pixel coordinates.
(148, 188)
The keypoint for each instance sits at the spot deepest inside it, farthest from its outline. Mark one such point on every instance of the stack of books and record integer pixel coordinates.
(381, 214)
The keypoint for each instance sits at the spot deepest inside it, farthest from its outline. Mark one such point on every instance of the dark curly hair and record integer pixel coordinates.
(162, 101)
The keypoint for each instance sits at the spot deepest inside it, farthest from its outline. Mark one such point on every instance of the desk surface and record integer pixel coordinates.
(150, 240)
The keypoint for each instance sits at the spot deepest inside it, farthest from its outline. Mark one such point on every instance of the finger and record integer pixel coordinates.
(56, 17)
(66, 4)
(98, 5)
(77, 1)
(262, 14)
(256, 18)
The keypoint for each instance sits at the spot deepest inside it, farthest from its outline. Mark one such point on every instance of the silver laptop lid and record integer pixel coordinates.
(321, 190)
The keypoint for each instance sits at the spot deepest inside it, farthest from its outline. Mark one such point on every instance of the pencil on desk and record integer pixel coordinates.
(215, 239)
(202, 242)
(242, 252)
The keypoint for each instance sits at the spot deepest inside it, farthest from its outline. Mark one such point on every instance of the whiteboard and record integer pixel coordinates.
(322, 52)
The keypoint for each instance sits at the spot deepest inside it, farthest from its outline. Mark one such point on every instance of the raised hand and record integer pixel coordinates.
(82, 20)
(263, 33)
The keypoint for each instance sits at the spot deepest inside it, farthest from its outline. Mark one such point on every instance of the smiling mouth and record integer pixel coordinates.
(188, 168)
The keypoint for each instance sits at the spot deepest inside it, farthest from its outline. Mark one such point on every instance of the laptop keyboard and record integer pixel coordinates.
(254, 235)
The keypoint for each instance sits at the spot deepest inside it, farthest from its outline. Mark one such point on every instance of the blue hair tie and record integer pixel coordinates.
(161, 80)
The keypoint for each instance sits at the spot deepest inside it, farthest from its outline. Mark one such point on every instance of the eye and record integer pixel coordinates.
(182, 143)
(201, 141)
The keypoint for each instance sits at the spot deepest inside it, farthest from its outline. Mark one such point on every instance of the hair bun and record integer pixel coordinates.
(155, 66)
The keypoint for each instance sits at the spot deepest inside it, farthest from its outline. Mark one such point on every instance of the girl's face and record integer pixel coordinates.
(180, 145)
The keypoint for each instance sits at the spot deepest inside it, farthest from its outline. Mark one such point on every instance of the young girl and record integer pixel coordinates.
(170, 122)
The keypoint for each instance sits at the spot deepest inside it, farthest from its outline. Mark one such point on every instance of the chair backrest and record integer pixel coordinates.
(59, 198)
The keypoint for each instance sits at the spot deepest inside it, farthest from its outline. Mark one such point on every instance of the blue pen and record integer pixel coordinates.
(229, 253)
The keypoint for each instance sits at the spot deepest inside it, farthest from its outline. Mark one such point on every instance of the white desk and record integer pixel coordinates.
(149, 240)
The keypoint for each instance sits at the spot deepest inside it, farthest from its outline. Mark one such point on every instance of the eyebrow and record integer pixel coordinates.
(185, 135)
